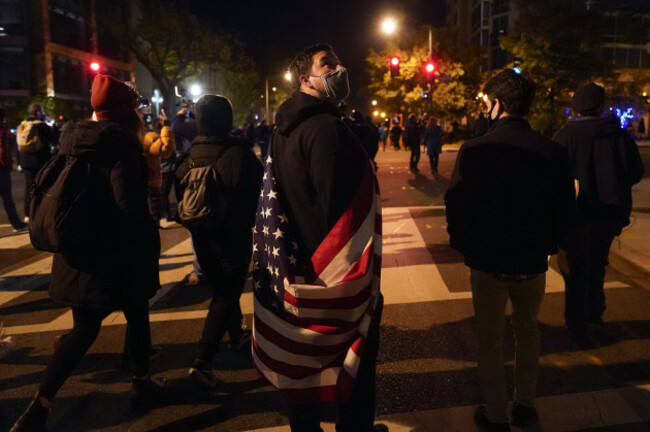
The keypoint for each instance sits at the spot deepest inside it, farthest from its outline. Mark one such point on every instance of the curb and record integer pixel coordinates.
(632, 270)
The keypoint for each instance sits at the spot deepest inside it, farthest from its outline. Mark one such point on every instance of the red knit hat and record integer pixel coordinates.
(111, 99)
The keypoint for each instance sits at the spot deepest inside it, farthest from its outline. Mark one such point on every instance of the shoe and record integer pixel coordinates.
(485, 425)
(147, 389)
(244, 339)
(125, 363)
(7, 344)
(34, 419)
(524, 416)
(193, 279)
(202, 373)
(21, 228)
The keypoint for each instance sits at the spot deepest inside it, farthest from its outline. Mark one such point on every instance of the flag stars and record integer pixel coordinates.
(272, 194)
(278, 233)
(258, 285)
(276, 252)
(269, 160)
(292, 260)
(295, 245)
(268, 212)
(283, 218)
(266, 175)
(265, 230)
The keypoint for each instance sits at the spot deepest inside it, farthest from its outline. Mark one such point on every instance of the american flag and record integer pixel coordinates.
(311, 317)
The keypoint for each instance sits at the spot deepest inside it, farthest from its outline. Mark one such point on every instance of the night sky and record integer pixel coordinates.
(274, 31)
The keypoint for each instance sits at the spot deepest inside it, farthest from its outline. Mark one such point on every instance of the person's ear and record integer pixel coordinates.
(304, 80)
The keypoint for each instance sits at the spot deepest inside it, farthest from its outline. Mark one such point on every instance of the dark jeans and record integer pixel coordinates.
(154, 200)
(168, 180)
(225, 268)
(30, 174)
(582, 261)
(358, 413)
(87, 323)
(415, 157)
(8, 199)
(433, 161)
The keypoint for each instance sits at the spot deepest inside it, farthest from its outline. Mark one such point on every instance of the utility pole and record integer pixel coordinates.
(430, 59)
(266, 96)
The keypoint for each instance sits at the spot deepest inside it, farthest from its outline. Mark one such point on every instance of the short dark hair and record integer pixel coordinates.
(514, 88)
(303, 62)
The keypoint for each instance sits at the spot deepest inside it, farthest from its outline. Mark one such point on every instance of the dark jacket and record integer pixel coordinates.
(6, 162)
(318, 165)
(433, 140)
(35, 161)
(412, 135)
(240, 173)
(122, 266)
(606, 162)
(510, 199)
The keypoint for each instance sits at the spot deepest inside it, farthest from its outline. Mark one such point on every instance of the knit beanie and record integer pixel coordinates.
(111, 99)
(213, 115)
(588, 99)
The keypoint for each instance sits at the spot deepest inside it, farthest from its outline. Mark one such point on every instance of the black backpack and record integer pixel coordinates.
(204, 202)
(60, 205)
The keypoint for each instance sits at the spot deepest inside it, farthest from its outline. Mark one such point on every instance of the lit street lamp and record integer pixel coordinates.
(389, 25)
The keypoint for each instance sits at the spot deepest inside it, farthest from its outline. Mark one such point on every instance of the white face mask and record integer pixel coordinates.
(337, 86)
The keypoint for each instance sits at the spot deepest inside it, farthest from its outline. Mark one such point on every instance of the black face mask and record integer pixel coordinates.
(491, 121)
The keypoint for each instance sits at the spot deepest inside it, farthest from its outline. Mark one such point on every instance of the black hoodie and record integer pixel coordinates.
(606, 163)
(318, 165)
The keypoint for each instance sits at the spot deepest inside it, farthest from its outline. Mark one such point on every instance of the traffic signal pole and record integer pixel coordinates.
(430, 59)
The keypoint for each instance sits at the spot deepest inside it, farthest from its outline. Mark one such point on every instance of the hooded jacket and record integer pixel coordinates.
(606, 162)
(318, 165)
(510, 199)
(122, 266)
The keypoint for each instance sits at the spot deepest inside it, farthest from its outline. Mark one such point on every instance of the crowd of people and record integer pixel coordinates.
(305, 213)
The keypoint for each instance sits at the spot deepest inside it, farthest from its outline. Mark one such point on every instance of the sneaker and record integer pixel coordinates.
(125, 363)
(34, 419)
(21, 228)
(244, 339)
(485, 425)
(147, 389)
(202, 373)
(524, 416)
(7, 344)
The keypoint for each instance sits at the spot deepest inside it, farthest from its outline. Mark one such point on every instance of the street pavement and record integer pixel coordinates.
(427, 379)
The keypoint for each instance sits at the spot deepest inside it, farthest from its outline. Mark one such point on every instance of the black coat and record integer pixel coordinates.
(510, 199)
(318, 165)
(606, 162)
(35, 161)
(122, 266)
(240, 173)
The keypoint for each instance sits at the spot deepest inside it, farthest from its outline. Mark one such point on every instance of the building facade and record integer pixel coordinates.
(47, 46)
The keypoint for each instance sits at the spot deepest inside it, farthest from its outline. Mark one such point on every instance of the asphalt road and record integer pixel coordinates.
(427, 354)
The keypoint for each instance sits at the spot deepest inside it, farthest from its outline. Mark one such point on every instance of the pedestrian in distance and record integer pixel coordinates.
(605, 163)
(6, 166)
(223, 248)
(433, 142)
(118, 268)
(510, 201)
(383, 135)
(168, 167)
(395, 133)
(319, 211)
(35, 139)
(412, 139)
(157, 146)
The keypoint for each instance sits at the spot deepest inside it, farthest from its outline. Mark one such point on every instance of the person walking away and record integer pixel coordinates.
(156, 146)
(480, 126)
(6, 166)
(317, 181)
(224, 252)
(35, 142)
(262, 134)
(433, 142)
(168, 167)
(395, 133)
(116, 265)
(412, 141)
(510, 201)
(383, 135)
(605, 163)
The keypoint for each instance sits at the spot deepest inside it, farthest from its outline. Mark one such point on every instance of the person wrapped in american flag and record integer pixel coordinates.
(317, 255)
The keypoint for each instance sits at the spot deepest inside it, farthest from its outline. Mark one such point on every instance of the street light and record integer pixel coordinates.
(287, 76)
(195, 91)
(389, 25)
(374, 103)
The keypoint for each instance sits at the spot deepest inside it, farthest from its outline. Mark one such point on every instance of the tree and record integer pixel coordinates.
(557, 41)
(454, 89)
(170, 43)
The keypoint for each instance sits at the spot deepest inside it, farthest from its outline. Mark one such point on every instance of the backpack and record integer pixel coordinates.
(60, 206)
(27, 136)
(204, 203)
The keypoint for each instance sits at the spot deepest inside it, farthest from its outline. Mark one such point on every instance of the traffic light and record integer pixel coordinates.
(95, 67)
(429, 71)
(394, 66)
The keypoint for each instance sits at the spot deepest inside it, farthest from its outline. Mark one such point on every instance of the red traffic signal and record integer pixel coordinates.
(394, 66)
(94, 66)
(429, 71)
